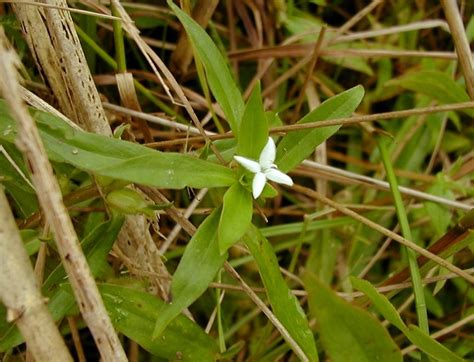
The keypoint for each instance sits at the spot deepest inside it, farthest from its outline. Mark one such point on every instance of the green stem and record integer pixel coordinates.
(406, 232)
(207, 94)
(220, 327)
(96, 47)
(118, 40)
(299, 244)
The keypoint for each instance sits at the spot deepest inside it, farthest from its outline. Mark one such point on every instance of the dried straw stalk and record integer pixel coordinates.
(21, 295)
(50, 199)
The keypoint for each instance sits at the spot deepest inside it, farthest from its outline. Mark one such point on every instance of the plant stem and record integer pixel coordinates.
(406, 232)
(118, 40)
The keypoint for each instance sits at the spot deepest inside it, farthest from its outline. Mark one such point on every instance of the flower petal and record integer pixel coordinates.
(278, 176)
(250, 165)
(267, 157)
(258, 184)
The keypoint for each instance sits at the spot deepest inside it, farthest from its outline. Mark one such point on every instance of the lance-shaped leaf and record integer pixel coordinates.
(253, 134)
(236, 216)
(133, 313)
(118, 159)
(413, 333)
(436, 85)
(298, 145)
(199, 265)
(284, 304)
(348, 333)
(220, 79)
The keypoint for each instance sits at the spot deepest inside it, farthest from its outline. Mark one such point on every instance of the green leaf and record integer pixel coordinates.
(439, 216)
(430, 346)
(200, 263)
(118, 159)
(253, 134)
(436, 85)
(413, 333)
(284, 304)
(15, 185)
(341, 324)
(236, 216)
(220, 79)
(96, 246)
(380, 302)
(296, 146)
(133, 311)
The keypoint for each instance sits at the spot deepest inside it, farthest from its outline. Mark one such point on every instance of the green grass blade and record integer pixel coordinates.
(406, 231)
(436, 85)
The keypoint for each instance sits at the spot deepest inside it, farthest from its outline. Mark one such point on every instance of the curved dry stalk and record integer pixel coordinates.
(348, 295)
(385, 186)
(384, 116)
(21, 295)
(50, 198)
(417, 25)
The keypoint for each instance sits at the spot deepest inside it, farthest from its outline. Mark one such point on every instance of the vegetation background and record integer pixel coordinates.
(129, 231)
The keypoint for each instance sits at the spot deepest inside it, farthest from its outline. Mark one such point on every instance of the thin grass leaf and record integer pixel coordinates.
(436, 85)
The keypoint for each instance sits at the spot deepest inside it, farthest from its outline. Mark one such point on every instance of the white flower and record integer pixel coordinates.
(264, 169)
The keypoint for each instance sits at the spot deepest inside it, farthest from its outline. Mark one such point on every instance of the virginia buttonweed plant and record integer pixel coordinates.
(256, 169)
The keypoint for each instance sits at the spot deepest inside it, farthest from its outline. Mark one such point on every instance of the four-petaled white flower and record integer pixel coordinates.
(264, 169)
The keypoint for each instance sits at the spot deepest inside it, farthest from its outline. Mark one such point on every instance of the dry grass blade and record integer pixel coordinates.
(19, 292)
(463, 49)
(51, 36)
